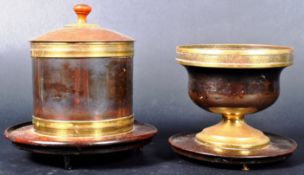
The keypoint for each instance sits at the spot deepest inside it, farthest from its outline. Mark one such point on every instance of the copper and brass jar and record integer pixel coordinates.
(82, 88)
(82, 80)
(233, 80)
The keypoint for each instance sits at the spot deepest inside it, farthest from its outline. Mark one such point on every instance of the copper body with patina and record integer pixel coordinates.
(85, 90)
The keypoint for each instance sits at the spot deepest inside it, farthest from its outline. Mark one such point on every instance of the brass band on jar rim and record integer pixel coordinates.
(234, 55)
(82, 49)
(87, 128)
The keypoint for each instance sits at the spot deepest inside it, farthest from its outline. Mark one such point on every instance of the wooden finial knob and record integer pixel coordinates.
(82, 11)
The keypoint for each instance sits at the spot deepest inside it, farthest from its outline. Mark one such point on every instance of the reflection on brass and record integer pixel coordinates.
(233, 80)
(233, 132)
(82, 50)
(230, 111)
(87, 128)
(234, 56)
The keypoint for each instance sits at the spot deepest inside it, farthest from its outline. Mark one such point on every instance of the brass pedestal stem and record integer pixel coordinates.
(233, 132)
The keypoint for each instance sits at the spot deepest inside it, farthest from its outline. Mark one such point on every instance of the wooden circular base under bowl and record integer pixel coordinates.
(24, 137)
(280, 148)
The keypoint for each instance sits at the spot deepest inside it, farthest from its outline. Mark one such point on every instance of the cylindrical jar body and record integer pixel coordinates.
(81, 89)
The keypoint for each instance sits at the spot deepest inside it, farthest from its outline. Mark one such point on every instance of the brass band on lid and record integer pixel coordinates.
(234, 55)
(82, 40)
(88, 128)
(82, 50)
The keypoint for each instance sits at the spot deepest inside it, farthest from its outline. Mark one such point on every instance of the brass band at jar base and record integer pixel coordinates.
(234, 56)
(83, 128)
(82, 49)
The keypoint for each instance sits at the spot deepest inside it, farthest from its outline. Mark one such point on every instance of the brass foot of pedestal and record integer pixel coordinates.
(233, 132)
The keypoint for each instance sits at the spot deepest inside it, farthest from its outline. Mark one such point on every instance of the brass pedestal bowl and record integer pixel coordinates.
(233, 80)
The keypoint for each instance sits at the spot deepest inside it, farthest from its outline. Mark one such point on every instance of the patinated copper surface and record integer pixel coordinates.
(212, 88)
(82, 89)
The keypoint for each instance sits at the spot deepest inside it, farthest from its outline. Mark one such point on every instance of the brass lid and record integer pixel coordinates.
(234, 55)
(82, 40)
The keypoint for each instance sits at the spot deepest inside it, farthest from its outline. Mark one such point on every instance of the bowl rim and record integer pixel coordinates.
(234, 55)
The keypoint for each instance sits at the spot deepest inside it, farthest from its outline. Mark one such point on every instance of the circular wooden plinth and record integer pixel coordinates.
(280, 148)
(25, 138)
